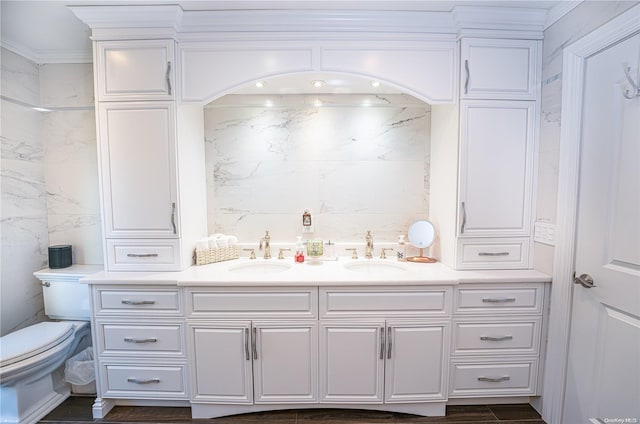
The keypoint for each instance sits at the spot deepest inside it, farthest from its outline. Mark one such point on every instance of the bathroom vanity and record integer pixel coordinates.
(251, 335)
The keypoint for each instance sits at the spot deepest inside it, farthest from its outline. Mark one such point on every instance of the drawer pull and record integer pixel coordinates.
(494, 379)
(496, 339)
(138, 302)
(498, 300)
(246, 344)
(255, 343)
(132, 340)
(150, 381)
(493, 254)
(381, 343)
(142, 255)
(389, 341)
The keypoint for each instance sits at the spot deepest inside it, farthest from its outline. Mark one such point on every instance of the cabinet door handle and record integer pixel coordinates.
(254, 342)
(167, 76)
(173, 217)
(142, 255)
(498, 299)
(138, 302)
(493, 254)
(136, 381)
(466, 82)
(494, 379)
(132, 340)
(246, 344)
(464, 218)
(389, 342)
(381, 343)
(496, 339)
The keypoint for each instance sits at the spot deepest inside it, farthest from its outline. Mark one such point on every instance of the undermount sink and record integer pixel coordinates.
(374, 267)
(260, 268)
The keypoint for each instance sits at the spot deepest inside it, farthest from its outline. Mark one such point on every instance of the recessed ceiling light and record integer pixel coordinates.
(268, 103)
(318, 83)
(375, 84)
(318, 103)
(260, 84)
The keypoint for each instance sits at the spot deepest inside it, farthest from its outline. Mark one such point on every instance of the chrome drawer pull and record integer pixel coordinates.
(173, 216)
(142, 255)
(255, 343)
(496, 339)
(138, 302)
(498, 300)
(494, 380)
(246, 344)
(136, 381)
(132, 340)
(466, 82)
(389, 341)
(493, 254)
(167, 77)
(381, 343)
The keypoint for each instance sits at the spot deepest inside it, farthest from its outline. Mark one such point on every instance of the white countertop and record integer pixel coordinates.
(275, 272)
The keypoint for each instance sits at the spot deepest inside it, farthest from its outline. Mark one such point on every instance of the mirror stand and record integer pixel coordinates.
(421, 259)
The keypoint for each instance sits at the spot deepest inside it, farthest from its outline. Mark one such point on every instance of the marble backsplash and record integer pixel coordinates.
(355, 167)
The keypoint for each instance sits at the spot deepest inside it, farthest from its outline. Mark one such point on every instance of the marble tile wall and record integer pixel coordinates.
(71, 166)
(49, 178)
(354, 167)
(23, 211)
(586, 17)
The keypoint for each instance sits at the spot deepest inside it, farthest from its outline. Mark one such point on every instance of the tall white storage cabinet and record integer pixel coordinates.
(495, 145)
(149, 147)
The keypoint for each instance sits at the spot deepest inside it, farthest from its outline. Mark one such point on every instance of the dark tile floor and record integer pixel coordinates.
(77, 410)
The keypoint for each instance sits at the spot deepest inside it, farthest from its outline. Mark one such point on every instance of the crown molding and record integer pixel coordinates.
(47, 56)
(478, 20)
(559, 10)
(138, 16)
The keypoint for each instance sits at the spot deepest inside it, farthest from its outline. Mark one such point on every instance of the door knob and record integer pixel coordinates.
(585, 280)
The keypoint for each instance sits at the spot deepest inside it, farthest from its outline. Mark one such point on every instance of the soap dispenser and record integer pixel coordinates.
(402, 249)
(299, 256)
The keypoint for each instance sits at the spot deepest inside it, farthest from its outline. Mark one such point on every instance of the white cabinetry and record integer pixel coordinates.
(496, 340)
(497, 135)
(499, 69)
(140, 70)
(139, 339)
(398, 357)
(147, 143)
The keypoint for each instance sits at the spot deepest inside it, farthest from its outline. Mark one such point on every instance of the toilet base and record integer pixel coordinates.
(28, 402)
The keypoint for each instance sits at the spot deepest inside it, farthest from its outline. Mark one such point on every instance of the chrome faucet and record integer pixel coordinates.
(369, 247)
(267, 247)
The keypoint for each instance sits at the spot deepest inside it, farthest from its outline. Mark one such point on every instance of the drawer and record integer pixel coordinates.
(477, 299)
(144, 381)
(477, 379)
(112, 301)
(342, 302)
(140, 255)
(485, 338)
(142, 339)
(493, 254)
(247, 303)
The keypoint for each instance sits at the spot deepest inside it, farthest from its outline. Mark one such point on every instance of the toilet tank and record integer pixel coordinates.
(65, 297)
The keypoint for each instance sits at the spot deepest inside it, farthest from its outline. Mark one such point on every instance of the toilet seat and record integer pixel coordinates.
(31, 341)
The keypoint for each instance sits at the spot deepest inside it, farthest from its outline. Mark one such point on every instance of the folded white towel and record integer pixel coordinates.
(223, 241)
(202, 244)
(233, 240)
(213, 243)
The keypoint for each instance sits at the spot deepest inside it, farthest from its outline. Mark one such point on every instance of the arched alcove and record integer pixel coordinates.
(357, 158)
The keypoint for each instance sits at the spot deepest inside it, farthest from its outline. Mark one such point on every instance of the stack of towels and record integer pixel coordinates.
(215, 241)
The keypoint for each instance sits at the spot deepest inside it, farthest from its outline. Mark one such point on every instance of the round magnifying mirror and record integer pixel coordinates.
(421, 235)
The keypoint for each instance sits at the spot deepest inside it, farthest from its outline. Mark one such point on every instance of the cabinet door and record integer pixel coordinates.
(352, 362)
(221, 358)
(285, 362)
(499, 69)
(138, 167)
(416, 368)
(496, 168)
(135, 70)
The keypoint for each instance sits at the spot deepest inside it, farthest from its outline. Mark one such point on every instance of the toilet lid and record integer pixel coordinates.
(30, 341)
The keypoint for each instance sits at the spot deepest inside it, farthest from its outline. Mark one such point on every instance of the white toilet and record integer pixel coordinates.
(32, 359)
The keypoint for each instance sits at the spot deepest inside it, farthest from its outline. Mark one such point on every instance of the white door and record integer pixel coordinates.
(496, 165)
(285, 362)
(352, 362)
(222, 362)
(603, 368)
(416, 367)
(137, 155)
